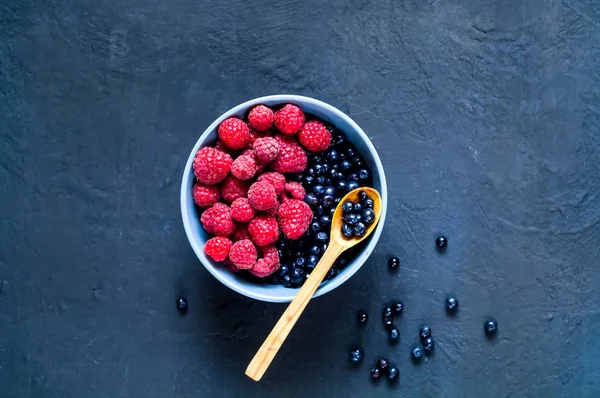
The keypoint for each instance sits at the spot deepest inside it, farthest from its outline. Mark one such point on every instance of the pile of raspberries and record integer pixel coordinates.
(241, 186)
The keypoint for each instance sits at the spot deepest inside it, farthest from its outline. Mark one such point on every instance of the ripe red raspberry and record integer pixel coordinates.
(262, 196)
(294, 218)
(233, 188)
(211, 166)
(263, 230)
(266, 149)
(234, 133)
(268, 264)
(274, 178)
(314, 136)
(217, 248)
(289, 119)
(241, 232)
(291, 158)
(295, 189)
(205, 195)
(243, 254)
(244, 167)
(230, 266)
(217, 220)
(274, 211)
(221, 147)
(261, 118)
(241, 210)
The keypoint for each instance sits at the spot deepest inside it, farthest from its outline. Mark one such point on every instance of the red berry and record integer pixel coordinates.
(241, 232)
(291, 158)
(314, 136)
(234, 133)
(233, 188)
(268, 264)
(217, 220)
(266, 149)
(274, 211)
(262, 196)
(211, 166)
(274, 178)
(217, 248)
(294, 218)
(241, 210)
(263, 230)
(261, 118)
(244, 167)
(295, 189)
(205, 195)
(243, 254)
(289, 119)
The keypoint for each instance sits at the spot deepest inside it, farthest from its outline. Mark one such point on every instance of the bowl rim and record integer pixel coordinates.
(257, 293)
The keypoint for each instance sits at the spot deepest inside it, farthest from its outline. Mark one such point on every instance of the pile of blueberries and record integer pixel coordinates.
(357, 215)
(329, 176)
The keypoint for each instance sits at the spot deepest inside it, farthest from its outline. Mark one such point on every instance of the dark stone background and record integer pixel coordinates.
(486, 115)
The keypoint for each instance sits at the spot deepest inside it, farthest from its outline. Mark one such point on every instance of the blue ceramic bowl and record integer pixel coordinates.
(197, 236)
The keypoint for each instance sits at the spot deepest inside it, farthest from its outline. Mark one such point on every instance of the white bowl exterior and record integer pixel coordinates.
(197, 235)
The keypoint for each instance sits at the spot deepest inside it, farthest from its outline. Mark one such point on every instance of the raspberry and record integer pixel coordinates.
(244, 167)
(262, 196)
(230, 266)
(274, 211)
(263, 230)
(234, 133)
(211, 166)
(261, 118)
(266, 149)
(241, 232)
(243, 254)
(314, 136)
(274, 178)
(268, 264)
(231, 152)
(291, 158)
(294, 218)
(241, 210)
(217, 248)
(217, 220)
(205, 195)
(289, 119)
(233, 188)
(295, 189)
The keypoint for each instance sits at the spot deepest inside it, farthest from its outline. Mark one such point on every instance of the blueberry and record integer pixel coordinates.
(319, 210)
(428, 344)
(416, 353)
(340, 139)
(363, 317)
(297, 276)
(347, 231)
(333, 156)
(331, 211)
(280, 252)
(388, 321)
(332, 273)
(319, 169)
(357, 162)
(310, 172)
(368, 216)
(317, 159)
(337, 200)
(333, 173)
(324, 247)
(424, 332)
(318, 189)
(360, 229)
(320, 180)
(284, 270)
(327, 201)
(325, 220)
(182, 305)
(353, 177)
(394, 334)
(394, 262)
(345, 165)
(383, 364)
(348, 206)
(375, 373)
(287, 280)
(397, 307)
(356, 355)
(362, 196)
(451, 304)
(327, 181)
(393, 373)
(316, 250)
(363, 174)
(369, 203)
(282, 244)
(358, 208)
(351, 186)
(312, 261)
(315, 226)
(350, 219)
(329, 191)
(490, 327)
(350, 152)
(321, 237)
(388, 311)
(341, 186)
(300, 261)
(311, 199)
(308, 181)
(441, 242)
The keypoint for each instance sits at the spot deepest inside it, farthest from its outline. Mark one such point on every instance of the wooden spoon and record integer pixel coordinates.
(337, 245)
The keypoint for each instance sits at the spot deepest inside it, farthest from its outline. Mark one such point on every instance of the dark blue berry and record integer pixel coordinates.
(286, 280)
(351, 186)
(360, 229)
(363, 317)
(310, 172)
(424, 332)
(387, 312)
(369, 203)
(358, 207)
(297, 276)
(182, 305)
(325, 220)
(388, 321)
(357, 162)
(300, 261)
(327, 201)
(321, 237)
(362, 196)
(416, 353)
(332, 273)
(341, 187)
(327, 181)
(316, 250)
(324, 247)
(319, 210)
(319, 169)
(320, 180)
(345, 165)
(397, 307)
(363, 174)
(350, 219)
(375, 373)
(350, 152)
(331, 211)
(347, 231)
(333, 156)
(330, 191)
(383, 364)
(394, 262)
(311, 199)
(490, 327)
(333, 173)
(441, 242)
(312, 261)
(280, 252)
(315, 226)
(340, 139)
(348, 206)
(368, 216)
(353, 177)
(428, 344)
(318, 189)
(451, 304)
(308, 181)
(284, 270)
(356, 355)
(393, 373)
(394, 334)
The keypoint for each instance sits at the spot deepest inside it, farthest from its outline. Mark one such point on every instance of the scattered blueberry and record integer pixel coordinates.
(451, 304)
(388, 321)
(375, 373)
(388, 312)
(425, 332)
(297, 276)
(428, 344)
(416, 353)
(394, 334)
(363, 317)
(347, 230)
(490, 327)
(182, 305)
(394, 262)
(357, 355)
(321, 237)
(393, 373)
(441, 242)
(383, 364)
(397, 307)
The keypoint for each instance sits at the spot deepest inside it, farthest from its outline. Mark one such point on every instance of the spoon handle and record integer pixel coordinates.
(266, 353)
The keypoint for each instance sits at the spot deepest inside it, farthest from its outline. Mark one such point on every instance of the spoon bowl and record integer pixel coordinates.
(337, 219)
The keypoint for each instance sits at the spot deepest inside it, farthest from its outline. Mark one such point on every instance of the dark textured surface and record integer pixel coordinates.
(486, 115)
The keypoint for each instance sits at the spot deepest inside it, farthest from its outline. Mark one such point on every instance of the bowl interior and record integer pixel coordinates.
(197, 235)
